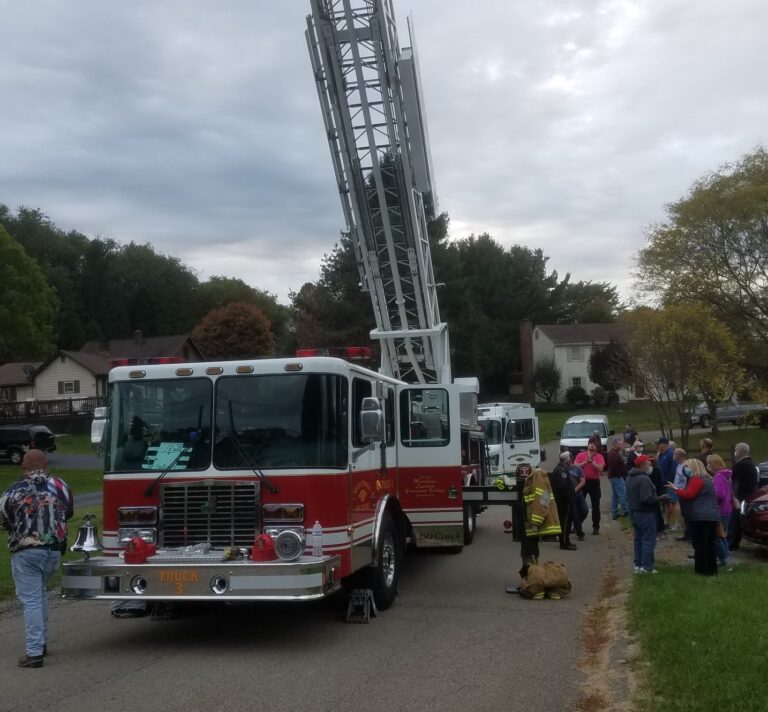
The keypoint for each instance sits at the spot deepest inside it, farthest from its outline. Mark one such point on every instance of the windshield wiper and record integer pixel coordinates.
(246, 457)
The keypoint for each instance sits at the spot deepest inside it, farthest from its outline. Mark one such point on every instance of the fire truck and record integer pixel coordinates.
(284, 479)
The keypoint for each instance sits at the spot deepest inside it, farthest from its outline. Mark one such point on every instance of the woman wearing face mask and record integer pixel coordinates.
(703, 516)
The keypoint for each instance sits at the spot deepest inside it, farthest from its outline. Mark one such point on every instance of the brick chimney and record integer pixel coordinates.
(526, 359)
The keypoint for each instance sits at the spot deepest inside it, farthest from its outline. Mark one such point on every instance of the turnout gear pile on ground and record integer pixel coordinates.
(547, 580)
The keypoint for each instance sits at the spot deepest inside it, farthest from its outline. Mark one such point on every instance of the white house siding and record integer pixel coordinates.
(47, 380)
(573, 362)
(25, 392)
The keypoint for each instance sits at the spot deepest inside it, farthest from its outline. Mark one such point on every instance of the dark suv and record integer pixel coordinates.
(15, 440)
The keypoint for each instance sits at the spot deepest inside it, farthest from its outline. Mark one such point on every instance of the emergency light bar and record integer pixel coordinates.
(350, 353)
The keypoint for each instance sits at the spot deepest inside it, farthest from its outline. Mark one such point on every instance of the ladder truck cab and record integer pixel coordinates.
(512, 431)
(279, 479)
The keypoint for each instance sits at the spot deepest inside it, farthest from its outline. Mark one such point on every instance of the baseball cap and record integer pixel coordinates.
(663, 440)
(643, 459)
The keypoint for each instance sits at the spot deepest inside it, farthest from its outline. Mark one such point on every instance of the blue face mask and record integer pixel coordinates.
(687, 471)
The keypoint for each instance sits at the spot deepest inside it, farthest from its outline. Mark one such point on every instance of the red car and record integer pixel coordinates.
(754, 517)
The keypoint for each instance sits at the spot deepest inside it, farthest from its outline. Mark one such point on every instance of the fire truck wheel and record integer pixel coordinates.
(470, 522)
(383, 579)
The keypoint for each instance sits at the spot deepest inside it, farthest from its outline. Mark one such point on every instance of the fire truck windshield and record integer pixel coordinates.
(281, 421)
(155, 425)
(492, 431)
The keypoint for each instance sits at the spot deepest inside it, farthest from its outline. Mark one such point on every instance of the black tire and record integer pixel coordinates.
(384, 578)
(15, 456)
(470, 522)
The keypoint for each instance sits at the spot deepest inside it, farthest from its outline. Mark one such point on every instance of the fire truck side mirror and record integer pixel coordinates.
(371, 421)
(98, 425)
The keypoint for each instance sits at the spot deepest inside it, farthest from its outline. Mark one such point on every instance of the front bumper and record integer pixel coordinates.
(106, 578)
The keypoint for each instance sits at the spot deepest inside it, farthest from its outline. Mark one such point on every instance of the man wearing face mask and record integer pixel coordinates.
(643, 503)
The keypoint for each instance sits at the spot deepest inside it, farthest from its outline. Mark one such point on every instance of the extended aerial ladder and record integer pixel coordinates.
(371, 101)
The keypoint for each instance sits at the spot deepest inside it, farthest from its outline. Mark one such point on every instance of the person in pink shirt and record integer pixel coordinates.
(592, 465)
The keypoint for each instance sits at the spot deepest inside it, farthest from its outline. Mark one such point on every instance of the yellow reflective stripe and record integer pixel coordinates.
(550, 530)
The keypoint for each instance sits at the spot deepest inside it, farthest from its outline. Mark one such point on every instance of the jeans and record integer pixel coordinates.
(721, 545)
(592, 488)
(618, 496)
(31, 570)
(644, 528)
(579, 512)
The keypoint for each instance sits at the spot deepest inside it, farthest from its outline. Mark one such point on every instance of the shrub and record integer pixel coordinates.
(576, 396)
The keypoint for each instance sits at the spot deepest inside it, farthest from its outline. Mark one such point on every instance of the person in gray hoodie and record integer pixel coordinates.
(643, 503)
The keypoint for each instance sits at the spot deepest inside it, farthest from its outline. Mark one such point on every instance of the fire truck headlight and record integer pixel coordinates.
(125, 534)
(289, 545)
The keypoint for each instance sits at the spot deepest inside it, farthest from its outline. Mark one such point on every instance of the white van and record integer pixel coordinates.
(578, 429)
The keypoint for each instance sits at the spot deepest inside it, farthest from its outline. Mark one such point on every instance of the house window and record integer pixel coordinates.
(66, 387)
(576, 382)
(640, 390)
(575, 353)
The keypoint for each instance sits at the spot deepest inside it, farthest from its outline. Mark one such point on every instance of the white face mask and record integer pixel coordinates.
(647, 470)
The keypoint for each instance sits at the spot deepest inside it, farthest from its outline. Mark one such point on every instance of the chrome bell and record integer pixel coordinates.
(87, 537)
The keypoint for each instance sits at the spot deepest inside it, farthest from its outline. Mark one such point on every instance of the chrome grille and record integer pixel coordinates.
(221, 513)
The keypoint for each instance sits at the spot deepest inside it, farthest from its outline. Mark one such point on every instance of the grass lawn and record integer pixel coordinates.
(80, 481)
(640, 414)
(6, 580)
(703, 643)
(79, 444)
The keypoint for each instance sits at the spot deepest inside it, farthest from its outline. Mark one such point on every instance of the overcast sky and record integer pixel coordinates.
(195, 125)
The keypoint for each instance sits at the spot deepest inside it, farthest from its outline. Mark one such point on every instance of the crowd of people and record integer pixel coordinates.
(664, 492)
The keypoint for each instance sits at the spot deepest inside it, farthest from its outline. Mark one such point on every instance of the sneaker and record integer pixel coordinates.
(652, 571)
(513, 589)
(640, 570)
(31, 661)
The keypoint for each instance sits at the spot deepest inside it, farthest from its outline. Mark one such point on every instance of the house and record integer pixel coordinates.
(71, 374)
(16, 381)
(140, 349)
(83, 374)
(571, 346)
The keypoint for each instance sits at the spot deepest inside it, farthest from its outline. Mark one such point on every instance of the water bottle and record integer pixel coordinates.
(317, 540)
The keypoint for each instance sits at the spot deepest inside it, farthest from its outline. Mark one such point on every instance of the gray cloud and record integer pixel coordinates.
(561, 124)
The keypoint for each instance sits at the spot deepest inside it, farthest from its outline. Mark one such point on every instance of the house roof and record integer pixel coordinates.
(563, 334)
(17, 374)
(139, 346)
(95, 363)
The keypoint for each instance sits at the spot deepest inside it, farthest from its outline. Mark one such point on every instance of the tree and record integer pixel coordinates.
(218, 291)
(712, 249)
(27, 304)
(611, 368)
(547, 378)
(682, 353)
(235, 331)
(585, 302)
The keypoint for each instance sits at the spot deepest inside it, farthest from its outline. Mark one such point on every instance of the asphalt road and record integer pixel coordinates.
(454, 640)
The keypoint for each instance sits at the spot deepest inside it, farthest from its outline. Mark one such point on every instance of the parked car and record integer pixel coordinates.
(15, 440)
(754, 516)
(727, 412)
(762, 474)
(577, 430)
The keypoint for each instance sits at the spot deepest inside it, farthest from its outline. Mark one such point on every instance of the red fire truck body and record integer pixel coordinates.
(202, 459)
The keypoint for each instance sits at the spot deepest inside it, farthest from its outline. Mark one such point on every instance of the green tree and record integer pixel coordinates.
(235, 331)
(547, 378)
(712, 249)
(611, 367)
(682, 353)
(27, 304)
(585, 302)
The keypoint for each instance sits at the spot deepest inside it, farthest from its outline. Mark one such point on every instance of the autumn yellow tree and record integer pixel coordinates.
(684, 355)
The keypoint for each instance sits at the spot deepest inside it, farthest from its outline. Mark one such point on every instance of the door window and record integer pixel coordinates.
(424, 420)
